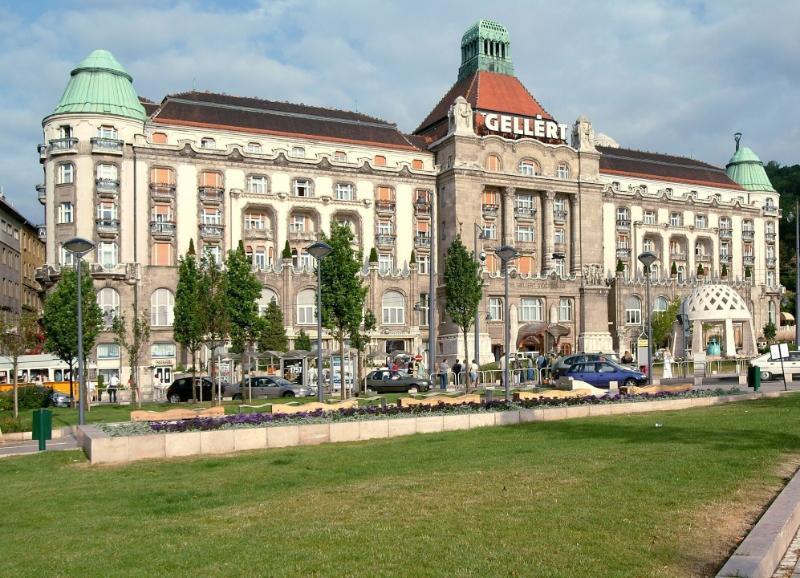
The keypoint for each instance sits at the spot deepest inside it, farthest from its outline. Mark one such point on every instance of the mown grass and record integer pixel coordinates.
(612, 496)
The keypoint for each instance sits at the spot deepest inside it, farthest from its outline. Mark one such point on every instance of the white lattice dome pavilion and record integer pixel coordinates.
(716, 303)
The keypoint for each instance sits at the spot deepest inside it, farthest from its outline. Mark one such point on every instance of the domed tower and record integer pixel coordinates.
(88, 165)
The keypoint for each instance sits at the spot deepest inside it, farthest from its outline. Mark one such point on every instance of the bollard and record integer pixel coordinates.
(42, 427)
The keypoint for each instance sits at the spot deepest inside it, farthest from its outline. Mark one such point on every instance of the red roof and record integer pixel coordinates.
(487, 91)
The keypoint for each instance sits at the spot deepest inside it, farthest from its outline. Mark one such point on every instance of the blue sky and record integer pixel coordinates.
(677, 77)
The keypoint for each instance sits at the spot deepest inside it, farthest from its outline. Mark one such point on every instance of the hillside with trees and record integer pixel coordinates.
(786, 180)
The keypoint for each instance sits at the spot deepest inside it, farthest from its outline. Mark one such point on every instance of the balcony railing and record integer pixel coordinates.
(258, 233)
(748, 234)
(385, 207)
(559, 215)
(422, 241)
(422, 206)
(41, 193)
(63, 145)
(162, 190)
(702, 258)
(525, 240)
(162, 228)
(524, 212)
(385, 240)
(106, 145)
(108, 187)
(490, 209)
(211, 231)
(559, 248)
(623, 224)
(302, 236)
(623, 252)
(677, 255)
(771, 261)
(211, 194)
(725, 259)
(725, 233)
(748, 259)
(107, 226)
(771, 211)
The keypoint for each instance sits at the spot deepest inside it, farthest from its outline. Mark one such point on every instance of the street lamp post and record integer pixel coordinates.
(79, 247)
(647, 259)
(319, 251)
(506, 254)
(480, 257)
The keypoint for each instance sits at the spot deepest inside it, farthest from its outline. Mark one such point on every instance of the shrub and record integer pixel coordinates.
(620, 266)
(373, 255)
(30, 397)
(10, 424)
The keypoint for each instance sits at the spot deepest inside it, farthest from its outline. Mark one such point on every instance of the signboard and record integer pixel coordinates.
(642, 342)
(779, 351)
(336, 365)
(537, 127)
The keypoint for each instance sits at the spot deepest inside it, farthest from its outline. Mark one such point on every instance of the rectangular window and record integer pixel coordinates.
(214, 251)
(306, 314)
(162, 213)
(253, 147)
(107, 351)
(211, 216)
(524, 201)
(489, 231)
(559, 205)
(495, 309)
(257, 184)
(260, 258)
(424, 309)
(208, 143)
(66, 174)
(162, 254)
(525, 233)
(344, 192)
(255, 221)
(650, 218)
(297, 224)
(211, 179)
(423, 264)
(340, 156)
(700, 221)
(385, 264)
(385, 194)
(107, 255)
(384, 228)
(107, 211)
(158, 138)
(299, 152)
(565, 309)
(65, 213)
(302, 188)
(530, 309)
(675, 220)
(559, 267)
(106, 131)
(380, 161)
(559, 236)
(107, 172)
(161, 350)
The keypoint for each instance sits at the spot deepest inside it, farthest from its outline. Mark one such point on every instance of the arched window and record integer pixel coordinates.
(771, 318)
(562, 171)
(162, 303)
(267, 296)
(307, 307)
(393, 305)
(660, 304)
(108, 301)
(655, 272)
(633, 310)
(493, 163)
(528, 168)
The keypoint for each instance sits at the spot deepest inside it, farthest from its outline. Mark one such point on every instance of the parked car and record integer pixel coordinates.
(563, 364)
(388, 381)
(59, 399)
(268, 386)
(601, 373)
(770, 369)
(181, 390)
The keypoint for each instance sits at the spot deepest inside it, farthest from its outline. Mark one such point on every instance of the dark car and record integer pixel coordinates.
(268, 386)
(181, 389)
(601, 373)
(388, 381)
(60, 399)
(562, 364)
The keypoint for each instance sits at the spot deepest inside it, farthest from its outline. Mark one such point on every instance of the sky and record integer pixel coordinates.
(678, 77)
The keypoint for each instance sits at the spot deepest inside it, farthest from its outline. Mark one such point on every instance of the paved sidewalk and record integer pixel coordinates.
(7, 449)
(789, 567)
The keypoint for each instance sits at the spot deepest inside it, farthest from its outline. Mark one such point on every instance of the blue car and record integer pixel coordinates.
(601, 373)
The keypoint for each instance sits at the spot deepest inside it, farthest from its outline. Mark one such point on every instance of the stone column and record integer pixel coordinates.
(574, 230)
(547, 231)
(509, 194)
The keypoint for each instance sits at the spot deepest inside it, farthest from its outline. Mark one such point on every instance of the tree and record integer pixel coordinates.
(700, 270)
(747, 272)
(373, 255)
(287, 251)
(620, 266)
(214, 310)
(242, 289)
(188, 323)
(134, 345)
(662, 323)
(673, 270)
(359, 342)
(724, 272)
(770, 331)
(273, 335)
(18, 336)
(60, 318)
(342, 291)
(463, 288)
(302, 342)
(413, 258)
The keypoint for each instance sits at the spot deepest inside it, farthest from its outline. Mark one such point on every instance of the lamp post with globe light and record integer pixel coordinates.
(80, 247)
(648, 258)
(480, 257)
(506, 253)
(319, 251)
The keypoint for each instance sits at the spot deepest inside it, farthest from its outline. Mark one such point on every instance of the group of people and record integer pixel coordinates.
(460, 373)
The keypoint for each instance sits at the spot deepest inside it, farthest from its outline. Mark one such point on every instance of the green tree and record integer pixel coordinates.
(620, 266)
(243, 290)
(373, 255)
(19, 335)
(724, 272)
(188, 323)
(662, 323)
(700, 270)
(287, 251)
(770, 331)
(134, 345)
(673, 270)
(273, 336)
(463, 288)
(214, 311)
(413, 258)
(302, 342)
(342, 291)
(60, 318)
(359, 342)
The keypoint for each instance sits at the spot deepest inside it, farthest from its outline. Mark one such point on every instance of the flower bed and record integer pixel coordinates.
(260, 420)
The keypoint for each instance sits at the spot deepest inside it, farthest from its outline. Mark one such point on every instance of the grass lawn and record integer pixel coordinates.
(611, 496)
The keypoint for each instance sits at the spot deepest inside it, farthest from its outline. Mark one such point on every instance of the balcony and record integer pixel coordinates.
(771, 211)
(769, 237)
(422, 241)
(422, 206)
(524, 212)
(302, 236)
(725, 259)
(677, 255)
(107, 227)
(559, 215)
(748, 234)
(559, 248)
(725, 233)
(162, 229)
(106, 145)
(62, 145)
(162, 191)
(748, 260)
(490, 209)
(41, 193)
(258, 233)
(385, 240)
(771, 261)
(211, 194)
(42, 150)
(41, 230)
(623, 224)
(703, 258)
(384, 207)
(525, 240)
(107, 187)
(623, 252)
(211, 231)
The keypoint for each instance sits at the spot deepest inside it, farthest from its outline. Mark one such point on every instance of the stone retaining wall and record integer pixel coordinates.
(104, 449)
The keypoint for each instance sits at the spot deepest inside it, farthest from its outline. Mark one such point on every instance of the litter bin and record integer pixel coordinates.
(42, 426)
(754, 377)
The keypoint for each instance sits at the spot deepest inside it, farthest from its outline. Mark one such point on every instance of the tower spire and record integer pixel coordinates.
(486, 46)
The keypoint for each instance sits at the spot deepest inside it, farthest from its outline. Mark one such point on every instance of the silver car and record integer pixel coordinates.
(268, 387)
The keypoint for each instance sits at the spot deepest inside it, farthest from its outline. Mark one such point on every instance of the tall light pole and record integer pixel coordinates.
(506, 254)
(648, 258)
(79, 247)
(319, 251)
(432, 291)
(480, 257)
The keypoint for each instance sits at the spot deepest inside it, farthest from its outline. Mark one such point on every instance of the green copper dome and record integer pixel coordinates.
(746, 169)
(100, 85)
(486, 46)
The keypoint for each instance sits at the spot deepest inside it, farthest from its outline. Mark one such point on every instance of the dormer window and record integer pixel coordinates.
(380, 161)
(340, 156)
(253, 147)
(298, 152)
(208, 143)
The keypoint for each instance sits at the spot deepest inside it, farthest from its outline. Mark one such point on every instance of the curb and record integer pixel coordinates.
(764, 547)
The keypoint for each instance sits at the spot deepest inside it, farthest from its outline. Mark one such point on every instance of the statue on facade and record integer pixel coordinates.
(460, 118)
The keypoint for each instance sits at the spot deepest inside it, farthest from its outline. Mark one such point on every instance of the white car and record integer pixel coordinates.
(771, 369)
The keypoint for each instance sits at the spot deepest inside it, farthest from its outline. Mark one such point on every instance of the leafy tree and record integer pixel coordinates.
(18, 336)
(342, 291)
(273, 335)
(302, 342)
(359, 342)
(242, 292)
(770, 331)
(60, 318)
(463, 287)
(673, 270)
(287, 251)
(134, 345)
(188, 323)
(662, 323)
(214, 311)
(373, 255)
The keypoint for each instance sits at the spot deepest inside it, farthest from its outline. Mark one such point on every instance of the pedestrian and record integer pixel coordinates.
(457, 373)
(627, 358)
(443, 369)
(113, 384)
(473, 373)
(667, 374)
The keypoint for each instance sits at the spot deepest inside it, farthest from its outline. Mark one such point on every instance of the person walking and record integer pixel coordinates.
(457, 373)
(443, 370)
(473, 373)
(113, 384)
